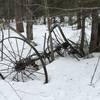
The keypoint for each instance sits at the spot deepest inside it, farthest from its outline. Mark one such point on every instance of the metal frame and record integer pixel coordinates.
(62, 44)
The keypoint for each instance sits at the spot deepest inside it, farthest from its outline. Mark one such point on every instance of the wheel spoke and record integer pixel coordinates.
(6, 69)
(9, 51)
(22, 49)
(17, 78)
(12, 48)
(7, 60)
(17, 55)
(9, 67)
(18, 49)
(29, 52)
(22, 76)
(14, 77)
(7, 57)
(9, 74)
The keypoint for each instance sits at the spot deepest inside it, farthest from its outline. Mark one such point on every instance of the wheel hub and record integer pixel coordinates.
(20, 65)
(23, 63)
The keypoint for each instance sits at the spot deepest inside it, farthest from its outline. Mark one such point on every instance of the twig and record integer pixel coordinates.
(13, 89)
(91, 82)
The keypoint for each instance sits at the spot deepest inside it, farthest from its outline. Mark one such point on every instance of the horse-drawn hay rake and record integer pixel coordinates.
(20, 61)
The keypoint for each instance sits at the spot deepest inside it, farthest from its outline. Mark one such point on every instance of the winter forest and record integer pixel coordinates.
(49, 49)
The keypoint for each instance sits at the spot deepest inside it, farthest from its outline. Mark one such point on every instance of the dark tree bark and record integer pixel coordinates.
(29, 26)
(53, 20)
(79, 20)
(70, 20)
(98, 39)
(51, 44)
(61, 19)
(82, 33)
(19, 24)
(94, 34)
(18, 18)
(29, 30)
(44, 20)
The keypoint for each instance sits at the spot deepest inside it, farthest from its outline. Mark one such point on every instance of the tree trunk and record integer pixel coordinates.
(94, 34)
(29, 26)
(70, 21)
(82, 33)
(44, 20)
(29, 30)
(53, 20)
(79, 20)
(19, 24)
(51, 44)
(98, 39)
(61, 19)
(18, 18)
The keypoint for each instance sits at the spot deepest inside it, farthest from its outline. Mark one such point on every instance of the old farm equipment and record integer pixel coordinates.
(61, 44)
(20, 61)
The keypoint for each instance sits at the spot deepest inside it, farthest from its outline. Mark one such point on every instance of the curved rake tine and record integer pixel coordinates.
(59, 36)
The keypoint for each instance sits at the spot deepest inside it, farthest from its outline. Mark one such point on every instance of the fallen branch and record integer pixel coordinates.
(91, 82)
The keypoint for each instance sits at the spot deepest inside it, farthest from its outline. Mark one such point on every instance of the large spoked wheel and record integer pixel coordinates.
(58, 41)
(21, 61)
(62, 45)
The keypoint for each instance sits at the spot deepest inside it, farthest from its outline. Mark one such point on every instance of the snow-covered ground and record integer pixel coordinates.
(69, 79)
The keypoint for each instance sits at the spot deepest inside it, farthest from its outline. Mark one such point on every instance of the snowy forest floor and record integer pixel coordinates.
(69, 79)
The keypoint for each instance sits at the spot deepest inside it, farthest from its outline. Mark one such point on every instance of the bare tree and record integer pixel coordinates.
(29, 29)
(82, 32)
(79, 21)
(18, 17)
(94, 34)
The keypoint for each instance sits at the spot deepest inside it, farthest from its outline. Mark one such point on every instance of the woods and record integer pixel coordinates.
(56, 42)
(31, 10)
